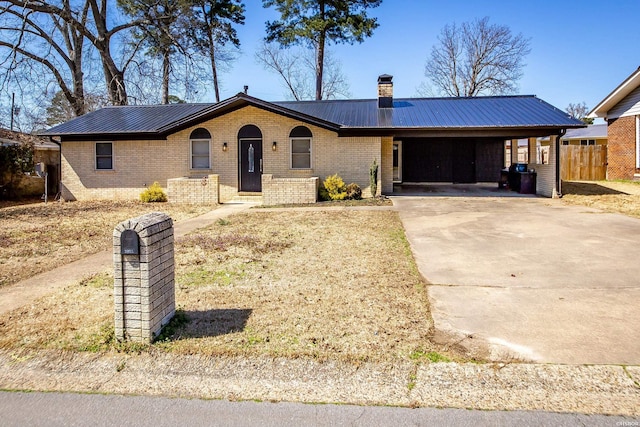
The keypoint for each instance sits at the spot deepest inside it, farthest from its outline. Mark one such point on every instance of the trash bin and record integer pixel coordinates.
(527, 183)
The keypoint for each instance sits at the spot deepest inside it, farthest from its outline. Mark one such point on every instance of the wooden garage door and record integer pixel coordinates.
(451, 160)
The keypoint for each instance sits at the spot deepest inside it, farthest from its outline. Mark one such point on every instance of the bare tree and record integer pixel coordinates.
(579, 111)
(477, 58)
(297, 69)
(35, 40)
(80, 19)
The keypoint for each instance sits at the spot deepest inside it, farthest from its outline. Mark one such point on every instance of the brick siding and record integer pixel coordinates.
(138, 164)
(279, 191)
(621, 148)
(193, 190)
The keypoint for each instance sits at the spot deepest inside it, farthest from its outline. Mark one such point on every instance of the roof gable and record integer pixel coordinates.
(617, 95)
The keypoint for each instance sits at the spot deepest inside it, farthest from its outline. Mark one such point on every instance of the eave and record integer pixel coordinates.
(617, 95)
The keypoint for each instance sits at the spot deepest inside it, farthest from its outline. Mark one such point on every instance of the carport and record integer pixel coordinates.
(464, 140)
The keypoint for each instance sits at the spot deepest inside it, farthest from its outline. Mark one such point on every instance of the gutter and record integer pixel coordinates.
(558, 176)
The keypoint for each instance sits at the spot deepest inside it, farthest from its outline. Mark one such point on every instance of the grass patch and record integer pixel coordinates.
(38, 237)
(370, 201)
(320, 284)
(431, 356)
(610, 196)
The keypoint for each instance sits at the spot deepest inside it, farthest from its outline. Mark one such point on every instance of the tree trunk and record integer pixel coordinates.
(320, 55)
(166, 62)
(212, 58)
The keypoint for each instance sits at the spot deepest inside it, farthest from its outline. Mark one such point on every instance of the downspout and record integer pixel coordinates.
(558, 176)
(59, 144)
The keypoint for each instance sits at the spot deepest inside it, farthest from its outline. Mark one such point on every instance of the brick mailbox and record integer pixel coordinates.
(143, 286)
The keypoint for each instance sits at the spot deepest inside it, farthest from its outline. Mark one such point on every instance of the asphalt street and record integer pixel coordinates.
(67, 409)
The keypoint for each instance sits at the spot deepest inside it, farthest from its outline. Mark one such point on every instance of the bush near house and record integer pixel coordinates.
(336, 189)
(14, 160)
(354, 192)
(153, 194)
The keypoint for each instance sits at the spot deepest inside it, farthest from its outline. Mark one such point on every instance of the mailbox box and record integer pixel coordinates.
(129, 243)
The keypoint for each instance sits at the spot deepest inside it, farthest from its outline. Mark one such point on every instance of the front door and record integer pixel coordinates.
(250, 165)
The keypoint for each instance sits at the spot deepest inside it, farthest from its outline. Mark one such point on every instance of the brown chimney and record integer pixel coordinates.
(385, 91)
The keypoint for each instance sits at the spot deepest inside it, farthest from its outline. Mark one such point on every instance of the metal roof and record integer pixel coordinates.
(499, 112)
(590, 132)
(438, 113)
(127, 119)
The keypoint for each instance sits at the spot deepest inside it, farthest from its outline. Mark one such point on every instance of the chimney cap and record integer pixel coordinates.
(385, 78)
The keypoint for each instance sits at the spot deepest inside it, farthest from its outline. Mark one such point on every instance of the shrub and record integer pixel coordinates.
(373, 178)
(323, 194)
(354, 192)
(153, 193)
(335, 187)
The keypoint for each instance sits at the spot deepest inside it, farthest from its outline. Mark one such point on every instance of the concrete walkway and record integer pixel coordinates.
(530, 278)
(21, 293)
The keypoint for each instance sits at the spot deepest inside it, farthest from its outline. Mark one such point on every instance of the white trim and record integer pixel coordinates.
(399, 144)
(617, 95)
(638, 142)
(305, 138)
(95, 156)
(191, 141)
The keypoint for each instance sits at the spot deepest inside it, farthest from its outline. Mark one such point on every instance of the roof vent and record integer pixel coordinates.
(385, 91)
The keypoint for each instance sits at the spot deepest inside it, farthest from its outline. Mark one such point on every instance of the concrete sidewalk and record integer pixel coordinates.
(21, 293)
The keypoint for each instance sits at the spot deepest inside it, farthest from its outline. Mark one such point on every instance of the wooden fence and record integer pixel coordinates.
(583, 162)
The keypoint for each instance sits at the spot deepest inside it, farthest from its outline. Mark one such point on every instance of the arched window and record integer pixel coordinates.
(200, 141)
(300, 138)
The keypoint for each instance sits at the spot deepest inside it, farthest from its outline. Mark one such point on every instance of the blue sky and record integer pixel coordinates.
(580, 50)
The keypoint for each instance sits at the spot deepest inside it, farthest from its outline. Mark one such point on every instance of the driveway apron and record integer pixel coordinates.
(530, 278)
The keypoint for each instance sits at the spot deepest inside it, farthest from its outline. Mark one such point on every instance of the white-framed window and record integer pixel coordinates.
(301, 145)
(200, 149)
(104, 155)
(587, 142)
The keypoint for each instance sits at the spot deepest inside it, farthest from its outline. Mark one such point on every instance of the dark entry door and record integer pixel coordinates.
(250, 165)
(464, 161)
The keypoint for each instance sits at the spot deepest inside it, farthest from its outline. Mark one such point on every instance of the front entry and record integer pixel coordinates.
(250, 159)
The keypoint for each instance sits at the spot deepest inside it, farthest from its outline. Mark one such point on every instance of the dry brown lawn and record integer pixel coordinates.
(610, 196)
(38, 237)
(320, 284)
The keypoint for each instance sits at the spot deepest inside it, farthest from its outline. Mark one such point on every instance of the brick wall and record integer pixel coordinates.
(143, 286)
(280, 191)
(545, 178)
(140, 163)
(193, 190)
(621, 148)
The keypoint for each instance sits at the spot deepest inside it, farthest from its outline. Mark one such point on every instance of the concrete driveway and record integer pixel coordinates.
(529, 278)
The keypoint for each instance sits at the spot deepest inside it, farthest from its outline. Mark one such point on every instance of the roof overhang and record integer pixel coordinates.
(226, 106)
(618, 94)
(484, 132)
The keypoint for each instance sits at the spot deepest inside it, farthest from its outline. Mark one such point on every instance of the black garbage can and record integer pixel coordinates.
(527, 183)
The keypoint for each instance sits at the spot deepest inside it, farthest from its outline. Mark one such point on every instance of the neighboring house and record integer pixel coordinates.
(621, 110)
(583, 153)
(282, 150)
(591, 135)
(45, 152)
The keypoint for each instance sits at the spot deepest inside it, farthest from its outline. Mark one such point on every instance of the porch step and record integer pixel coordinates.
(248, 198)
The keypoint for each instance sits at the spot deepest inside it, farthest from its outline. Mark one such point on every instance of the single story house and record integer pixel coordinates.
(282, 150)
(45, 152)
(621, 110)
